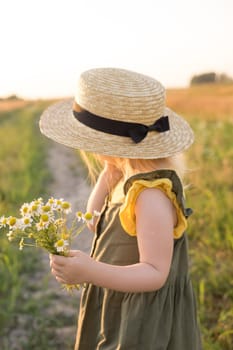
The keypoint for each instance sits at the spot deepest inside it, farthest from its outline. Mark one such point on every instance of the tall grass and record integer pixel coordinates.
(210, 112)
(22, 177)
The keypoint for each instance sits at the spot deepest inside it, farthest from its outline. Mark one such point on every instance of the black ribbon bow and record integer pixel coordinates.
(139, 132)
(136, 131)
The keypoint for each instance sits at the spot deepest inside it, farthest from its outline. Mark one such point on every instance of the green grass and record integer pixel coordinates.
(23, 177)
(209, 109)
(211, 230)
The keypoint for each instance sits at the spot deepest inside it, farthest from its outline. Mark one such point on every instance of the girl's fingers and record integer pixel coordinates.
(57, 260)
(56, 272)
(73, 253)
(60, 280)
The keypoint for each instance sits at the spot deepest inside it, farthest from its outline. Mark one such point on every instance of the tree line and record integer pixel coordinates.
(211, 77)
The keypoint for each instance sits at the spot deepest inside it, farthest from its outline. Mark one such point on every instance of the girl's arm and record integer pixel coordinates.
(105, 183)
(155, 219)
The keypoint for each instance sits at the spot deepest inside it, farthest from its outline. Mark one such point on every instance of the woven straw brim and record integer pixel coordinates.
(58, 123)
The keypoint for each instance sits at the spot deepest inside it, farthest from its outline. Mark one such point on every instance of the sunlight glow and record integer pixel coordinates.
(47, 44)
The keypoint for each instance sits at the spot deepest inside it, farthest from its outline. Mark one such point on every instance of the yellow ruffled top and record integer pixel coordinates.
(127, 210)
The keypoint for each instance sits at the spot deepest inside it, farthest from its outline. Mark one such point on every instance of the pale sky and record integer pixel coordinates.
(46, 44)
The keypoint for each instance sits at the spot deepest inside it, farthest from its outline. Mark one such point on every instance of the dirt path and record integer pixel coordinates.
(69, 183)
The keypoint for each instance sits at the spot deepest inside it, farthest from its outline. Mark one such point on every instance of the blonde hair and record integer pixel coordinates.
(129, 167)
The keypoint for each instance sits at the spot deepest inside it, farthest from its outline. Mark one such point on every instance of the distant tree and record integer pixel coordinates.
(204, 78)
(225, 79)
(211, 77)
(13, 97)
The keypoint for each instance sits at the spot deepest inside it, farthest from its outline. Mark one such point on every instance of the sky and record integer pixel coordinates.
(46, 44)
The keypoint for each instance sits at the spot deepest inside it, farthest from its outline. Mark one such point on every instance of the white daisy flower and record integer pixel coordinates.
(58, 204)
(66, 207)
(35, 208)
(25, 209)
(39, 201)
(25, 222)
(88, 218)
(45, 220)
(79, 216)
(51, 201)
(13, 222)
(61, 245)
(3, 221)
(47, 210)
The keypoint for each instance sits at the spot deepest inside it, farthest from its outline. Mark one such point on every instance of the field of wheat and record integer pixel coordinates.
(23, 176)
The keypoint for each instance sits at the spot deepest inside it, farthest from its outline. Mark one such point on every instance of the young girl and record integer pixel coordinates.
(138, 294)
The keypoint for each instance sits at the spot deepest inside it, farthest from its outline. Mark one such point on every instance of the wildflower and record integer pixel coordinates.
(25, 222)
(3, 221)
(66, 207)
(58, 204)
(45, 220)
(61, 245)
(39, 201)
(51, 201)
(35, 208)
(79, 215)
(46, 208)
(12, 222)
(88, 217)
(25, 209)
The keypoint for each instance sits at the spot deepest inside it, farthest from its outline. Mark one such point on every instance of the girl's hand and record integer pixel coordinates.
(74, 269)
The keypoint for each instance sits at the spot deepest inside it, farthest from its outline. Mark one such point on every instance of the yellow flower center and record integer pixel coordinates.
(46, 208)
(34, 207)
(60, 243)
(12, 221)
(44, 217)
(65, 205)
(26, 221)
(88, 216)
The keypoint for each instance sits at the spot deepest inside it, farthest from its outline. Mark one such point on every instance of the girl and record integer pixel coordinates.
(138, 293)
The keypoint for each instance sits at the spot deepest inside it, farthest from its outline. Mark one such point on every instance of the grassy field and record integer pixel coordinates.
(209, 109)
(23, 176)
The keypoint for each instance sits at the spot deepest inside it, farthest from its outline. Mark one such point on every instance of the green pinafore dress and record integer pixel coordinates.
(164, 319)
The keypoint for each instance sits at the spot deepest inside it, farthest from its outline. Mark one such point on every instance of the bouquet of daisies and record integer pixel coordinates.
(44, 224)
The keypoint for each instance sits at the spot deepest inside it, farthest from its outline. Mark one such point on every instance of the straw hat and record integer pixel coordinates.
(119, 113)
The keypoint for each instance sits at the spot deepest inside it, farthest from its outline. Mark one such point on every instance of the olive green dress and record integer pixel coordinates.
(160, 320)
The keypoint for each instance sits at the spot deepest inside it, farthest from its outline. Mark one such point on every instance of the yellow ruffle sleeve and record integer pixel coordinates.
(127, 211)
